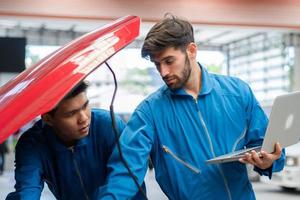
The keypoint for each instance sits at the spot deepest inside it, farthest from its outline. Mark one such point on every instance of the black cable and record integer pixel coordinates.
(117, 135)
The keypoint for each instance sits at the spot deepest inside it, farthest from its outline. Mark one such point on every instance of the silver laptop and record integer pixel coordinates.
(283, 127)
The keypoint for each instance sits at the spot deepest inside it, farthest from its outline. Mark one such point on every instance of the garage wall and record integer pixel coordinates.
(266, 13)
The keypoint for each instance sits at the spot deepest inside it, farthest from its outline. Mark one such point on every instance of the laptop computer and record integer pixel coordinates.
(283, 127)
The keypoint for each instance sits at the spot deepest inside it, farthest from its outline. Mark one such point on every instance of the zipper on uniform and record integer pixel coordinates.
(192, 168)
(78, 174)
(212, 148)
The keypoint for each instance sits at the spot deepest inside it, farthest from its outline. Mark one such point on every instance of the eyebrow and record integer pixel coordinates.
(163, 59)
(76, 110)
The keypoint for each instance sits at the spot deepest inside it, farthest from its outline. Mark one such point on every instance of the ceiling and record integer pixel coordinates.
(209, 36)
(216, 22)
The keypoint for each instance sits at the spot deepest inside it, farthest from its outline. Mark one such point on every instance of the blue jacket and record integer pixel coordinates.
(70, 173)
(181, 133)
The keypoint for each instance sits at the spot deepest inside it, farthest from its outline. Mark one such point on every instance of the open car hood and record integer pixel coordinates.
(39, 88)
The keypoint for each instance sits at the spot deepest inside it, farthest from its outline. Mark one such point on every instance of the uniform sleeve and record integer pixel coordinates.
(136, 143)
(28, 172)
(257, 125)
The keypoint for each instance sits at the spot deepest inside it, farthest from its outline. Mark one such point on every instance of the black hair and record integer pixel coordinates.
(79, 88)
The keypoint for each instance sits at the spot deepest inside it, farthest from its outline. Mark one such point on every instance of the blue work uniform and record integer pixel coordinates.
(180, 133)
(70, 173)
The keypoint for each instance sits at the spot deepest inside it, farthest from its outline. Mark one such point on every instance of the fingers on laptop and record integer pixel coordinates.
(262, 159)
(275, 155)
(257, 158)
(253, 158)
(248, 158)
(278, 150)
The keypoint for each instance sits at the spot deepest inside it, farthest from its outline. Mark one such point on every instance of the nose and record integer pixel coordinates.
(83, 117)
(164, 70)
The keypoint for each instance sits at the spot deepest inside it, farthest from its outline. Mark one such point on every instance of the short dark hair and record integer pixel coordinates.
(79, 88)
(170, 32)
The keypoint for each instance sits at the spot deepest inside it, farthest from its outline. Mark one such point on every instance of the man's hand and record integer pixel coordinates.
(262, 160)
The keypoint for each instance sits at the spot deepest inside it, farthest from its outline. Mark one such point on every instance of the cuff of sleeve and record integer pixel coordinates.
(264, 172)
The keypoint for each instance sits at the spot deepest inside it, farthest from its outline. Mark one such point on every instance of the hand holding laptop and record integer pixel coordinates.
(262, 159)
(283, 127)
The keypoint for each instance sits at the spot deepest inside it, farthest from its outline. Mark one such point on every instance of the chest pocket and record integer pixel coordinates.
(180, 160)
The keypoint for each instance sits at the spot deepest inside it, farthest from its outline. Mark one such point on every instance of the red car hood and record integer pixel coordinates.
(39, 88)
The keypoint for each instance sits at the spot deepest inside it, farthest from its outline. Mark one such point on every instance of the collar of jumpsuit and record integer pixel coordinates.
(207, 84)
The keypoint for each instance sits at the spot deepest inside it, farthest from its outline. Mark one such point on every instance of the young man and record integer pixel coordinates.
(68, 149)
(196, 116)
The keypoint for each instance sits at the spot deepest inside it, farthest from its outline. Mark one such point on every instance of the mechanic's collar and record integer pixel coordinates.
(57, 144)
(207, 84)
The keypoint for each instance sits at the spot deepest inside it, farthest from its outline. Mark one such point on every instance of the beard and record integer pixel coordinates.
(178, 81)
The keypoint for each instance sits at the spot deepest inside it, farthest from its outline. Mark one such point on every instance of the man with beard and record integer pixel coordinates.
(196, 116)
(68, 149)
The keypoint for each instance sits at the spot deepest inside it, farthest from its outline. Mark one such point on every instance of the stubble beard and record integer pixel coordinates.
(185, 75)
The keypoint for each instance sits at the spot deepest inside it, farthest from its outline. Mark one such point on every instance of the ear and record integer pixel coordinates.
(47, 118)
(192, 50)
